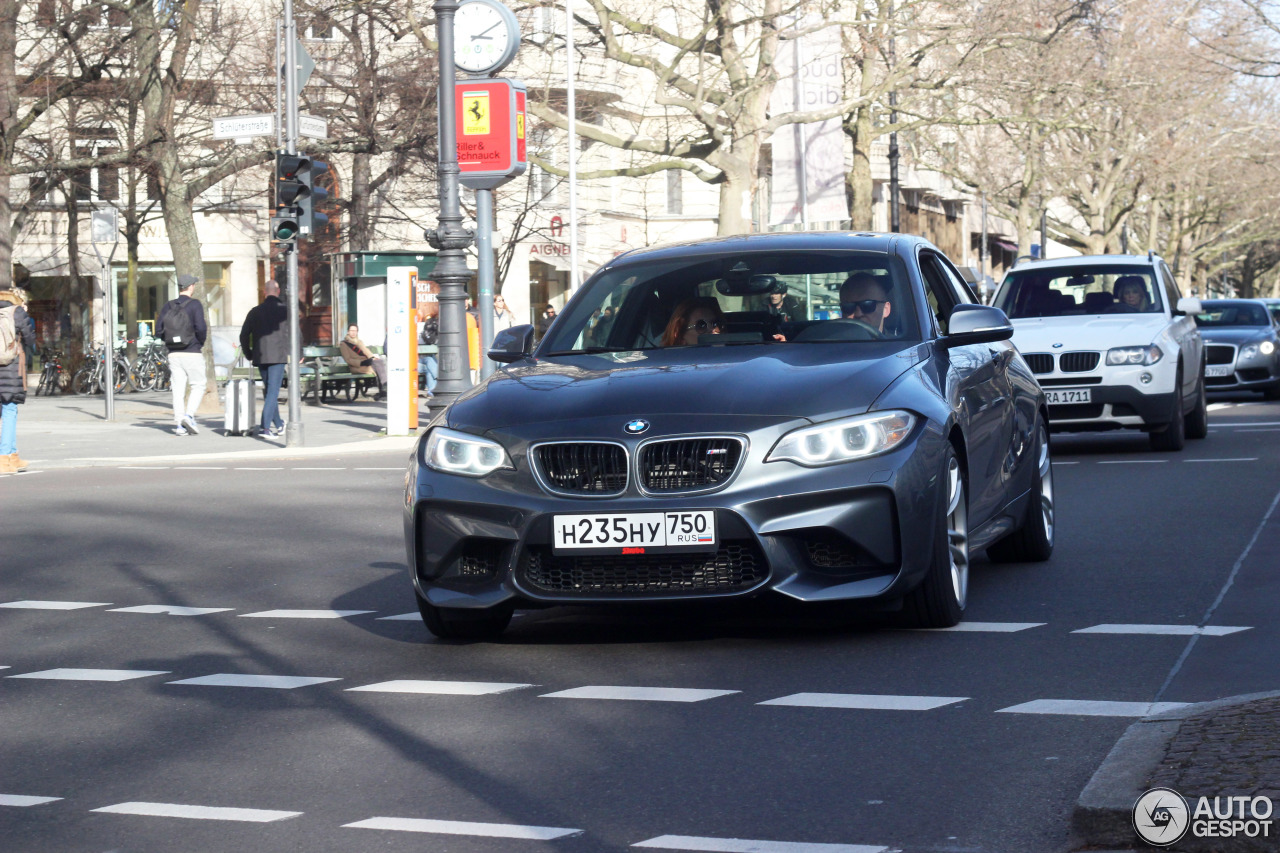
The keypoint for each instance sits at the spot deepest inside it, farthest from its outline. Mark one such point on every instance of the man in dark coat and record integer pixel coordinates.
(264, 339)
(13, 380)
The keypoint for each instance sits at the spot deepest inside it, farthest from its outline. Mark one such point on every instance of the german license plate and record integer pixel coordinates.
(634, 532)
(1062, 396)
(1218, 370)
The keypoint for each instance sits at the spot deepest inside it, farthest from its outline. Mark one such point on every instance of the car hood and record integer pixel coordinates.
(813, 381)
(1041, 334)
(1236, 334)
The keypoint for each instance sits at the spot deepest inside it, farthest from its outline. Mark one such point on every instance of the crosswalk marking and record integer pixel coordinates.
(741, 845)
(53, 605)
(1173, 630)
(22, 801)
(170, 609)
(865, 701)
(304, 614)
(443, 688)
(230, 679)
(462, 827)
(643, 694)
(197, 812)
(1091, 708)
(91, 674)
(993, 627)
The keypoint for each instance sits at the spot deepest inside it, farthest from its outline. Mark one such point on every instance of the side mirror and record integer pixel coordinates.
(1190, 306)
(512, 344)
(977, 324)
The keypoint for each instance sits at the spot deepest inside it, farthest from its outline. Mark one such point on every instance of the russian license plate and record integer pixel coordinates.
(1219, 370)
(634, 532)
(1062, 396)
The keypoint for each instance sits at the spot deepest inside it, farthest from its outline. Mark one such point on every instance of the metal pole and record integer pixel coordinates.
(449, 238)
(293, 435)
(802, 174)
(895, 216)
(572, 110)
(1044, 234)
(982, 242)
(279, 86)
(109, 339)
(485, 269)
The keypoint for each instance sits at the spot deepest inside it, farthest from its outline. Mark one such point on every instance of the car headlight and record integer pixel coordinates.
(1134, 355)
(1248, 351)
(1267, 347)
(459, 453)
(844, 440)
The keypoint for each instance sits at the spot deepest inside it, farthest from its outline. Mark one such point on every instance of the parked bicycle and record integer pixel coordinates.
(52, 378)
(91, 378)
(151, 370)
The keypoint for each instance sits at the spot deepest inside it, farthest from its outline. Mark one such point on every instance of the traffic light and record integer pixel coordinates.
(286, 223)
(312, 219)
(284, 226)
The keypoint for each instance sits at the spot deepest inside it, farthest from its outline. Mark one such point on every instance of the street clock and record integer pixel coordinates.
(485, 37)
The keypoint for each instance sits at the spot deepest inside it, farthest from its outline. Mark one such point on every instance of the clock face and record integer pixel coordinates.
(485, 36)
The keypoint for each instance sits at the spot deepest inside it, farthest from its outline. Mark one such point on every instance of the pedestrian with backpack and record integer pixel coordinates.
(182, 327)
(15, 330)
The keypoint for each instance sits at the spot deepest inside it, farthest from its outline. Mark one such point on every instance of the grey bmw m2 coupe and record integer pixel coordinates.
(821, 416)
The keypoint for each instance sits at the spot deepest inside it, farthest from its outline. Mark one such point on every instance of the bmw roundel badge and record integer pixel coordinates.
(637, 426)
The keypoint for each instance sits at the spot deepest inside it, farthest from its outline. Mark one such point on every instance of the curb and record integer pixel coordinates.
(1103, 815)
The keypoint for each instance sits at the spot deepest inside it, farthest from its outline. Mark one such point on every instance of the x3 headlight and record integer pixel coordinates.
(1134, 355)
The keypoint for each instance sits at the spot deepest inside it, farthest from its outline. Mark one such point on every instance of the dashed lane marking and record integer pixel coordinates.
(22, 800)
(199, 468)
(1056, 462)
(143, 468)
(742, 845)
(1091, 708)
(231, 679)
(53, 605)
(170, 609)
(400, 468)
(91, 674)
(1132, 461)
(1217, 407)
(304, 614)
(865, 702)
(992, 627)
(442, 688)
(257, 468)
(1241, 459)
(1170, 630)
(320, 469)
(197, 812)
(1247, 424)
(461, 827)
(1258, 430)
(642, 694)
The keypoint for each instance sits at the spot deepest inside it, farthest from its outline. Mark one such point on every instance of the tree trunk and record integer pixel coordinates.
(858, 183)
(361, 233)
(8, 112)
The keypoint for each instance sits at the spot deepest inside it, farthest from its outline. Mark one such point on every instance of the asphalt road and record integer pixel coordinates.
(980, 742)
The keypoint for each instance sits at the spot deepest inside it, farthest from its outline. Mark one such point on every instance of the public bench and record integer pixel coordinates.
(330, 375)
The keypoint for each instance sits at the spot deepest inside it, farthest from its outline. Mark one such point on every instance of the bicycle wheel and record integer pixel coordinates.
(46, 381)
(123, 377)
(82, 382)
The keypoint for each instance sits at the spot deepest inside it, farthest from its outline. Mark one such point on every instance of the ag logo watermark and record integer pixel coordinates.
(1162, 817)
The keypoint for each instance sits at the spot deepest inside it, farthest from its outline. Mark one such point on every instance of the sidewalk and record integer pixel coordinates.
(67, 431)
(1228, 748)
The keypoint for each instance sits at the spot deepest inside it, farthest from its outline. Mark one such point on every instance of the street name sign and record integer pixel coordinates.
(244, 127)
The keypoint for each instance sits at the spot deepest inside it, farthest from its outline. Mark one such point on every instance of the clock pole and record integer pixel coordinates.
(449, 238)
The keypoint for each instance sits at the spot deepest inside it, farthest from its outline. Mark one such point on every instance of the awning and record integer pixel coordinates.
(1006, 245)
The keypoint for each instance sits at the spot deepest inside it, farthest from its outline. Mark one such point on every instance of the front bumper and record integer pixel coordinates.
(1255, 373)
(857, 530)
(1120, 399)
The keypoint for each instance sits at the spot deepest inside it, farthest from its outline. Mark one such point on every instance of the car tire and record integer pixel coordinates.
(1271, 394)
(456, 623)
(939, 601)
(1174, 436)
(1197, 420)
(1033, 541)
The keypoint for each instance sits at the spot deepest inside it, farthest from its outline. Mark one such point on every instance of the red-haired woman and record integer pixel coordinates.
(700, 315)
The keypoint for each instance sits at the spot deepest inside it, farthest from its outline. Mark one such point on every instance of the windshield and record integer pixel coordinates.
(1067, 291)
(1217, 314)
(739, 299)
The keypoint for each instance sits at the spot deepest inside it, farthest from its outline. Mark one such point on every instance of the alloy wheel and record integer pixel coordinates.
(1046, 485)
(957, 533)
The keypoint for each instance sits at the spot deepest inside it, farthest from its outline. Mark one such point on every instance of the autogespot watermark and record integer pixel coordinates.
(1162, 817)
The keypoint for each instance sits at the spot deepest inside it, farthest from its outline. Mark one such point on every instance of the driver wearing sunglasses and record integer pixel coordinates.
(864, 298)
(693, 317)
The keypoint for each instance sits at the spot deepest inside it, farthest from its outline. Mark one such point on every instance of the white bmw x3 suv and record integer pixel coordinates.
(1112, 342)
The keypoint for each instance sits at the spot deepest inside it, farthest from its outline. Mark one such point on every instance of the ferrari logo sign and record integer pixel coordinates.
(475, 113)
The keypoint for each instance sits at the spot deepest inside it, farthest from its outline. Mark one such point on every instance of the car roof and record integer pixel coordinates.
(777, 241)
(1087, 260)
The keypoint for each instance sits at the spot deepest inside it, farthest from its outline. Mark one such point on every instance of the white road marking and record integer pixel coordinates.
(1258, 430)
(992, 627)
(462, 827)
(1090, 708)
(403, 617)
(91, 674)
(1074, 462)
(200, 468)
(143, 468)
(1173, 630)
(22, 800)
(1132, 461)
(865, 701)
(319, 469)
(197, 812)
(443, 688)
(256, 468)
(742, 845)
(170, 609)
(1248, 424)
(54, 605)
(231, 679)
(401, 468)
(1216, 407)
(1241, 459)
(643, 694)
(303, 614)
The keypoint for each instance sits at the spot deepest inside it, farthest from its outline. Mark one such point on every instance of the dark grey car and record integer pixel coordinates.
(703, 447)
(1242, 346)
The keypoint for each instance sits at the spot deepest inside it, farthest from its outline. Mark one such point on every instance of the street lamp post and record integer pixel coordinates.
(449, 238)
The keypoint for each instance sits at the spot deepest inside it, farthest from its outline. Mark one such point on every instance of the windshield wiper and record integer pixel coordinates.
(591, 350)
